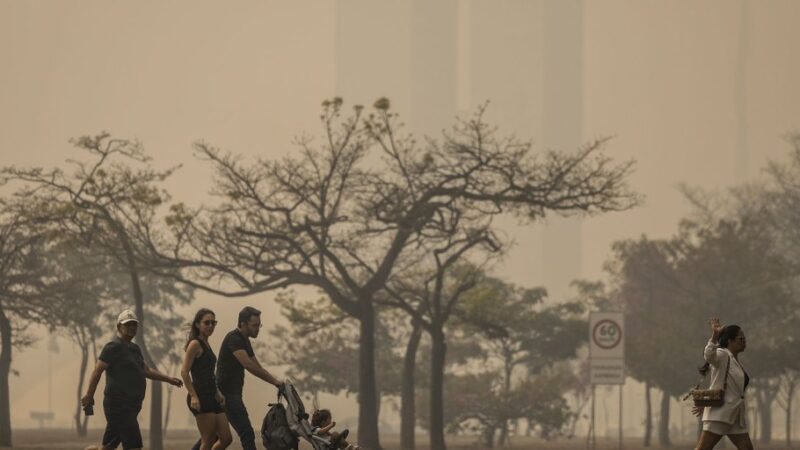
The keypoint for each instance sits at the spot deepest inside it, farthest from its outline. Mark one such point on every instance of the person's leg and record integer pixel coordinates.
(240, 421)
(741, 441)
(707, 440)
(129, 432)
(111, 438)
(223, 430)
(207, 426)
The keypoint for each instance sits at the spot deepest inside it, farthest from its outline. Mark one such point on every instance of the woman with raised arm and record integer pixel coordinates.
(728, 374)
(204, 398)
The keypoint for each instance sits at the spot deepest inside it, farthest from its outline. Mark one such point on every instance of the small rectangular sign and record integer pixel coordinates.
(607, 371)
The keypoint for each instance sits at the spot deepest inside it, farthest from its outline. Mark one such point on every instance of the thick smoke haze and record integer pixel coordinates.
(701, 93)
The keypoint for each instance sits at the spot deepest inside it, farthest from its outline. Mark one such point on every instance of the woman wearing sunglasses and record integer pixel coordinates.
(205, 401)
(722, 359)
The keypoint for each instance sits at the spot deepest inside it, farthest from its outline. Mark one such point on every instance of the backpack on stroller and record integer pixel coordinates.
(283, 426)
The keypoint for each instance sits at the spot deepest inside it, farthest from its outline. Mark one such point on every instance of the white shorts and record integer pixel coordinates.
(723, 428)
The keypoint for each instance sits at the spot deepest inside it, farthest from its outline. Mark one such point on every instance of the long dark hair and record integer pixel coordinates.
(194, 330)
(726, 335)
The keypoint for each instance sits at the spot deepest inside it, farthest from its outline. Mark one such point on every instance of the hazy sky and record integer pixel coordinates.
(659, 76)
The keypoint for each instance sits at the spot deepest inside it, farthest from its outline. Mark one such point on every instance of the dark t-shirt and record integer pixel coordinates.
(230, 373)
(125, 378)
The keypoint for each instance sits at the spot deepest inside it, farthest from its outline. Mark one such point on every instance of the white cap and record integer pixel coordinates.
(127, 316)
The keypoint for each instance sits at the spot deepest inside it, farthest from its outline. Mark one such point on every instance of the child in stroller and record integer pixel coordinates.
(284, 425)
(322, 421)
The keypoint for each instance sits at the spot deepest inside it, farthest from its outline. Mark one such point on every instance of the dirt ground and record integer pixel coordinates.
(50, 439)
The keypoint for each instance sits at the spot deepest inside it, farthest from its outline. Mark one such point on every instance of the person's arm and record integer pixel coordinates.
(94, 378)
(710, 352)
(158, 376)
(253, 366)
(189, 356)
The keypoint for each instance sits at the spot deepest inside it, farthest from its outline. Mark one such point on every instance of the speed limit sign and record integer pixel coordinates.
(606, 335)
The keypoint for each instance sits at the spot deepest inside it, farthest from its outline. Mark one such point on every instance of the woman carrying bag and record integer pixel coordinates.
(729, 380)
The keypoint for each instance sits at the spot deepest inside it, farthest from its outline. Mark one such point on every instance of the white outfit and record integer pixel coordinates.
(730, 418)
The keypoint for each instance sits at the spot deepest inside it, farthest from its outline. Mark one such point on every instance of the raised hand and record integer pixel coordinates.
(716, 327)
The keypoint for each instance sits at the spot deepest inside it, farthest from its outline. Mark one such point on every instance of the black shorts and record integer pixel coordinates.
(122, 425)
(208, 403)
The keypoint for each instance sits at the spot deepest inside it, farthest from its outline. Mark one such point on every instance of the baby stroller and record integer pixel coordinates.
(283, 426)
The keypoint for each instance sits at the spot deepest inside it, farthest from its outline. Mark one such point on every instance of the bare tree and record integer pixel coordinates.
(339, 214)
(82, 321)
(29, 294)
(105, 200)
(430, 298)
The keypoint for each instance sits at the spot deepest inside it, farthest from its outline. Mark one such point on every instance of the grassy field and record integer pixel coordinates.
(51, 439)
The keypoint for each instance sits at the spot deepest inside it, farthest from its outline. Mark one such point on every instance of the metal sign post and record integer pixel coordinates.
(606, 357)
(620, 415)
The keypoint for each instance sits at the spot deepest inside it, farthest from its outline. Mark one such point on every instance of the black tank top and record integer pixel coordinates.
(202, 370)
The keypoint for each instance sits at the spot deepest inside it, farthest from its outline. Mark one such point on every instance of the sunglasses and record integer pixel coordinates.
(210, 323)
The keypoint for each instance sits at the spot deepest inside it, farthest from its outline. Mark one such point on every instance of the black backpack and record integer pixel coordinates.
(275, 431)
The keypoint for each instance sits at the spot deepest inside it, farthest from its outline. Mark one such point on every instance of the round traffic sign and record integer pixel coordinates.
(607, 334)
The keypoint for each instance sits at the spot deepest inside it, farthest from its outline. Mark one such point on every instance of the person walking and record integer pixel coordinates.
(204, 399)
(235, 356)
(727, 373)
(126, 374)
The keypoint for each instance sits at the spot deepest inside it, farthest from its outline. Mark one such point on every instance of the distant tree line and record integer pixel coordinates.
(734, 256)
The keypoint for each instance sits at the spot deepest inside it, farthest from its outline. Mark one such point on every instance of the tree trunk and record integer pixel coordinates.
(156, 436)
(80, 420)
(156, 416)
(764, 399)
(438, 355)
(648, 415)
(488, 436)
(5, 371)
(788, 427)
(368, 436)
(407, 402)
(167, 409)
(503, 440)
(663, 425)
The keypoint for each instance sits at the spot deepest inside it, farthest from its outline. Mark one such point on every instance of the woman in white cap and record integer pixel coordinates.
(126, 371)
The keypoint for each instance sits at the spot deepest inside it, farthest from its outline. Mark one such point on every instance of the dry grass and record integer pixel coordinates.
(52, 439)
